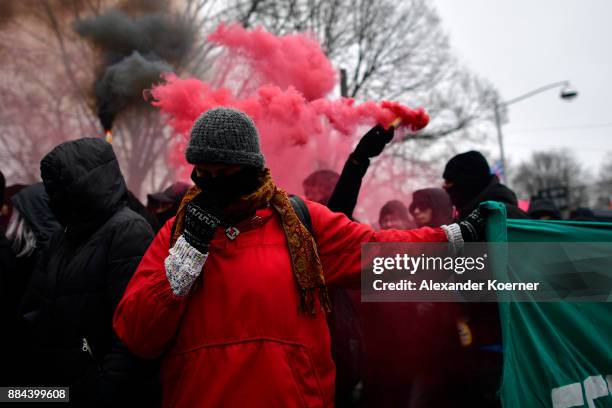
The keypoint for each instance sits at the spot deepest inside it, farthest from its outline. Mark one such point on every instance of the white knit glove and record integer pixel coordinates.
(183, 266)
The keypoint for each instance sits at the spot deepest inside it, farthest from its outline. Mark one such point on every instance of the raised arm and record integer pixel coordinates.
(339, 241)
(346, 192)
(148, 316)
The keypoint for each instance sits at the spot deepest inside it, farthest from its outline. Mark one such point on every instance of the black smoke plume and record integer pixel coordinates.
(134, 52)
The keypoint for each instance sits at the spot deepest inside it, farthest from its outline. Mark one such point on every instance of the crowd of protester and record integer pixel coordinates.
(104, 294)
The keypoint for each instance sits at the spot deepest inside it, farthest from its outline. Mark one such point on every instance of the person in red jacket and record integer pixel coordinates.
(232, 292)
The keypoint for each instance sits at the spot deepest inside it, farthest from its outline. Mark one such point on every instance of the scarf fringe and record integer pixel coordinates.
(307, 300)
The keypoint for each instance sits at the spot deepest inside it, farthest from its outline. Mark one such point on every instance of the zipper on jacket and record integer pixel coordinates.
(86, 347)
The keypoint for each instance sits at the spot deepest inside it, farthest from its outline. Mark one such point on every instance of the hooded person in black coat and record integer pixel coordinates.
(81, 276)
(469, 182)
(31, 226)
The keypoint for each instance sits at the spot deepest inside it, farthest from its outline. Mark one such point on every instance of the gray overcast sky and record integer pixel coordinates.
(520, 45)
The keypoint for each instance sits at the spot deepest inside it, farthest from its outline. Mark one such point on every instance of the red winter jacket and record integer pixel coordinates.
(237, 339)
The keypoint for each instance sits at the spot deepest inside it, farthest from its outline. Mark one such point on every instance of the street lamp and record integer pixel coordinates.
(567, 93)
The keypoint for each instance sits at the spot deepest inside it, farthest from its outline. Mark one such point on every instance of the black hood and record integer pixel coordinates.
(542, 206)
(33, 205)
(494, 191)
(469, 174)
(438, 200)
(84, 182)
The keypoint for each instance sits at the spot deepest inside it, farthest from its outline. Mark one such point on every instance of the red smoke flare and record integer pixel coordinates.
(300, 130)
(294, 60)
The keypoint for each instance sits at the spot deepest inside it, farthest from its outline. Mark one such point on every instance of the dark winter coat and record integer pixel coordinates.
(135, 205)
(82, 275)
(483, 363)
(7, 271)
(32, 203)
(495, 191)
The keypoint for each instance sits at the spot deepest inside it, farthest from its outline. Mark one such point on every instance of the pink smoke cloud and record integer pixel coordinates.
(301, 131)
(293, 131)
(295, 60)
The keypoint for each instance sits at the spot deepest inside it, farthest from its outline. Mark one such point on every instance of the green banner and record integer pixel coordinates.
(556, 354)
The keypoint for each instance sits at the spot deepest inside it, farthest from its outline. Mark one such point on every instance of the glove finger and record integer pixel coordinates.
(375, 132)
(203, 214)
(388, 134)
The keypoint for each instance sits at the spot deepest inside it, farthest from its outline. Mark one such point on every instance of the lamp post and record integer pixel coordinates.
(567, 93)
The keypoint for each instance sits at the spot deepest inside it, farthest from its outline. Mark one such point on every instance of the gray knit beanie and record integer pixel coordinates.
(224, 136)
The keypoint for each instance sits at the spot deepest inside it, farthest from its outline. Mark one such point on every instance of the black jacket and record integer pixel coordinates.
(81, 277)
(484, 366)
(7, 315)
(7, 271)
(495, 191)
(346, 192)
(33, 205)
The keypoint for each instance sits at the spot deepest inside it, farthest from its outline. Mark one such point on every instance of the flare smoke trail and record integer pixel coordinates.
(135, 51)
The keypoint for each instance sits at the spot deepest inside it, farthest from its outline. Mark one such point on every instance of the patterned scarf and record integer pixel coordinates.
(305, 261)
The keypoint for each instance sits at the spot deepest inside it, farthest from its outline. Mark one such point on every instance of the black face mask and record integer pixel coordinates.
(62, 210)
(60, 204)
(457, 196)
(228, 188)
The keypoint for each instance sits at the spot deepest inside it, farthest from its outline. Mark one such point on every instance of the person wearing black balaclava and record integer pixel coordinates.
(80, 278)
(469, 182)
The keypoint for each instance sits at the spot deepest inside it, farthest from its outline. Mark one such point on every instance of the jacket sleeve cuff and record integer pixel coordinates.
(183, 266)
(359, 164)
(454, 237)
